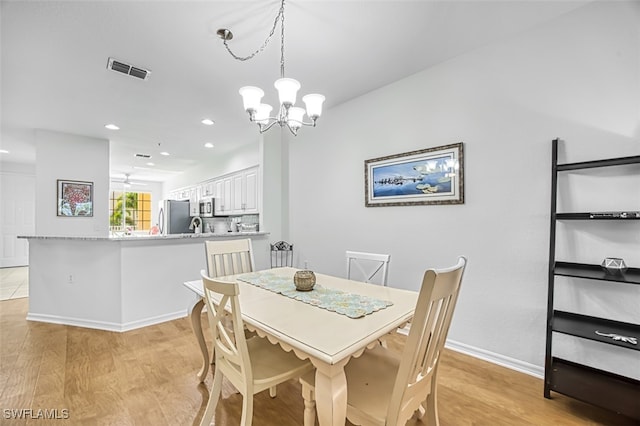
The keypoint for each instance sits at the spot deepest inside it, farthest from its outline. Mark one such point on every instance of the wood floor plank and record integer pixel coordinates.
(148, 377)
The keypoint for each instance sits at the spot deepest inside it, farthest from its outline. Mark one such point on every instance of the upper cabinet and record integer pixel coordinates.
(237, 193)
(222, 193)
(207, 189)
(251, 191)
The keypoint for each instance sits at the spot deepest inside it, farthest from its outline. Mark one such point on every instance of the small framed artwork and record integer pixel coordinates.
(426, 176)
(75, 198)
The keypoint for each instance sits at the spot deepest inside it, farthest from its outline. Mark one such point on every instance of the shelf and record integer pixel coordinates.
(595, 272)
(602, 388)
(622, 216)
(586, 326)
(599, 163)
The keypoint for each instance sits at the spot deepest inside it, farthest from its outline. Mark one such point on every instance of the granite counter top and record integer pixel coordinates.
(205, 235)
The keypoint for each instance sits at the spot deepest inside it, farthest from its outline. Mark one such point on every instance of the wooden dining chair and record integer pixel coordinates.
(226, 257)
(251, 365)
(229, 257)
(367, 267)
(384, 388)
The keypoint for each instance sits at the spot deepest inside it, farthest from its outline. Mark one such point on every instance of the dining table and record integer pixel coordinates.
(334, 322)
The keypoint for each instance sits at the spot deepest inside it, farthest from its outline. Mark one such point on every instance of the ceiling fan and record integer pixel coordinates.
(127, 182)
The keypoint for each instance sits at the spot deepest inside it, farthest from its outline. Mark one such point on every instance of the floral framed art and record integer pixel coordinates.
(426, 176)
(75, 198)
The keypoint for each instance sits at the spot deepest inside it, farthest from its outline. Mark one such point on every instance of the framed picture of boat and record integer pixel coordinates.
(426, 176)
(75, 198)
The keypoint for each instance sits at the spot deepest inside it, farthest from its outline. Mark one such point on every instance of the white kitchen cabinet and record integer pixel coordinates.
(237, 193)
(223, 203)
(251, 198)
(208, 189)
(244, 196)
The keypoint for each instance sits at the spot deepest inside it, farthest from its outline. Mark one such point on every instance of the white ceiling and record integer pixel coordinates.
(54, 57)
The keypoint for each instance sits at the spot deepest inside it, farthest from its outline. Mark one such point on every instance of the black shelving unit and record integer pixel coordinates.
(605, 389)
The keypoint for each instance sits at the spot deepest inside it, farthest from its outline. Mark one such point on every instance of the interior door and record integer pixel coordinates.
(17, 217)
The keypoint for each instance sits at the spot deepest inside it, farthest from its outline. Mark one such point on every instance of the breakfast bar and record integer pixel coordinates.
(120, 283)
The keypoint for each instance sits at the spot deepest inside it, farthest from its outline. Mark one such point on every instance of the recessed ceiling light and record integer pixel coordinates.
(112, 127)
(150, 164)
(3, 151)
(208, 145)
(207, 121)
(164, 153)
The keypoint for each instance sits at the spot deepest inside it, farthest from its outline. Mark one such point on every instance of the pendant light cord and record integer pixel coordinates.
(279, 17)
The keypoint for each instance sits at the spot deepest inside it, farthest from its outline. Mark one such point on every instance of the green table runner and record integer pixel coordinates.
(349, 304)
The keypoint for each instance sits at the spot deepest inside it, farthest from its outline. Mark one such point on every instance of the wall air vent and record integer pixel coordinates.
(142, 156)
(120, 66)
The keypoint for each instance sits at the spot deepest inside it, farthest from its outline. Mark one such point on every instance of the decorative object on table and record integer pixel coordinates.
(287, 116)
(75, 198)
(614, 265)
(304, 280)
(341, 302)
(426, 176)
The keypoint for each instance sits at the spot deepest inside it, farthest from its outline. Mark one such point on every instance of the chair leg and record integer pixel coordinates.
(431, 407)
(272, 391)
(213, 399)
(308, 394)
(247, 409)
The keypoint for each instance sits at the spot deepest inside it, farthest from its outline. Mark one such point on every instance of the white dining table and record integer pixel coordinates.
(328, 339)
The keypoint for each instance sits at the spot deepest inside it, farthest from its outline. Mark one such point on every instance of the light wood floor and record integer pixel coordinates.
(147, 377)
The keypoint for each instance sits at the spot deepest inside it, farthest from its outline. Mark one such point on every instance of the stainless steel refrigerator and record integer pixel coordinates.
(174, 217)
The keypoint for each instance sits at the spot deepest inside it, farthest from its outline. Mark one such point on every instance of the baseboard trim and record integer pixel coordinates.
(492, 357)
(104, 325)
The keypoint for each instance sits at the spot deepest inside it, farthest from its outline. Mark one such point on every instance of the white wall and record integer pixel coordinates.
(577, 78)
(71, 157)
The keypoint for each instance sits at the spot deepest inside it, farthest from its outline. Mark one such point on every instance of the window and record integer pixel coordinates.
(129, 211)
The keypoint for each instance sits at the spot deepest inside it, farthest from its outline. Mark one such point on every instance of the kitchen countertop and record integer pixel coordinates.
(145, 237)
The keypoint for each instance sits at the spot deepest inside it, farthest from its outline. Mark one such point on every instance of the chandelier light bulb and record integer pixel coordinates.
(287, 90)
(294, 118)
(262, 113)
(251, 97)
(313, 103)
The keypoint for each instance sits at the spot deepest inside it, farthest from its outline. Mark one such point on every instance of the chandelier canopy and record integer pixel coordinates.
(288, 115)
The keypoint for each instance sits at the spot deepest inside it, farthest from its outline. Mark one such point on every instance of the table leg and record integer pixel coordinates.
(196, 324)
(331, 394)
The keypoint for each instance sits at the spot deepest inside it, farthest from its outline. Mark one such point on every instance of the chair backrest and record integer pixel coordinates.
(229, 257)
(367, 267)
(230, 344)
(281, 254)
(429, 327)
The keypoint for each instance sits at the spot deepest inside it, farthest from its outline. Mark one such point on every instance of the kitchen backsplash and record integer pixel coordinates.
(225, 224)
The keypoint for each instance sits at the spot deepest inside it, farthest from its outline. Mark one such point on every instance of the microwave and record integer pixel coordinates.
(206, 207)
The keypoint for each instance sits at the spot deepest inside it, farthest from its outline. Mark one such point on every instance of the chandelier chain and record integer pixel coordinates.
(282, 40)
(279, 17)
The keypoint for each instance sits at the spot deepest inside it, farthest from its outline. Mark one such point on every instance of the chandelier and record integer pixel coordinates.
(288, 115)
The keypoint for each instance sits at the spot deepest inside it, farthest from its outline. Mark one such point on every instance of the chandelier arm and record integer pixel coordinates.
(279, 16)
(312, 123)
(264, 128)
(294, 132)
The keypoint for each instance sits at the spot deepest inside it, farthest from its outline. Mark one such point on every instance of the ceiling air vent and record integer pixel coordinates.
(143, 156)
(119, 66)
